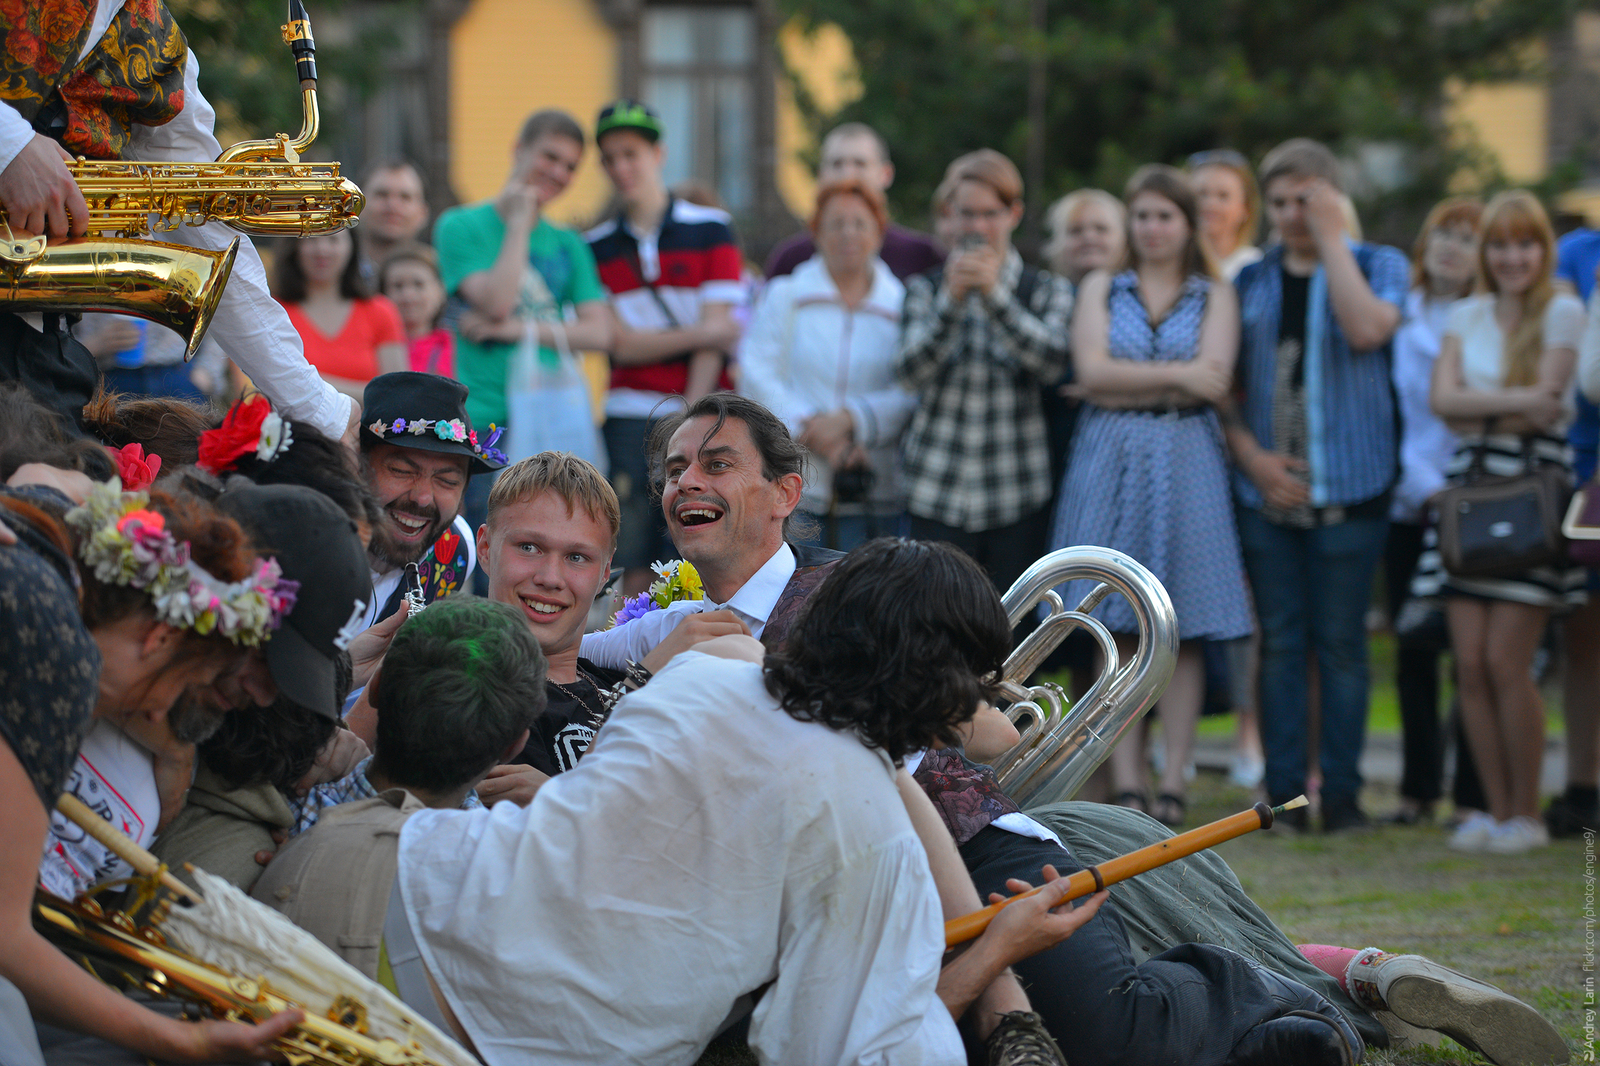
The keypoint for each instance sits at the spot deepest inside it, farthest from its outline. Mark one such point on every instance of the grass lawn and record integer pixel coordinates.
(1516, 921)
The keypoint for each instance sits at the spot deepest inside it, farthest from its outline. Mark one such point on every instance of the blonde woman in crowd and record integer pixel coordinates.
(1230, 208)
(1087, 232)
(1503, 381)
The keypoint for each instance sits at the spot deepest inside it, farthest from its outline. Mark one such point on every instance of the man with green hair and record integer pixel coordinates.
(456, 695)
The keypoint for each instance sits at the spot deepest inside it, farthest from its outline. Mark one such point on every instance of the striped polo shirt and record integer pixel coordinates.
(692, 259)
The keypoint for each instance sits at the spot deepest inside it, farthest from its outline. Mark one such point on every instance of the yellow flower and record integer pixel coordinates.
(689, 578)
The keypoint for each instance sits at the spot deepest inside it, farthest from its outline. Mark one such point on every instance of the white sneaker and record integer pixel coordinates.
(1475, 1014)
(1516, 835)
(1246, 770)
(1473, 834)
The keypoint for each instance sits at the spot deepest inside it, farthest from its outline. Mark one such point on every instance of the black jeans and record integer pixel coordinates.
(1417, 683)
(1188, 1005)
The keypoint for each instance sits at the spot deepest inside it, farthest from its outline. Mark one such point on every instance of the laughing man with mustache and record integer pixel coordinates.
(418, 448)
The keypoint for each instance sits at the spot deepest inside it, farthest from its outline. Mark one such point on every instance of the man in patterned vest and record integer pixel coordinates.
(115, 80)
(730, 477)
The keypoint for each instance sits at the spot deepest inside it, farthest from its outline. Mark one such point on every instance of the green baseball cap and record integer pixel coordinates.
(629, 115)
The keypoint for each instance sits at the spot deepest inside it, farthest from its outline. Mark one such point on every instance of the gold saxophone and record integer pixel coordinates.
(259, 187)
(143, 955)
(130, 956)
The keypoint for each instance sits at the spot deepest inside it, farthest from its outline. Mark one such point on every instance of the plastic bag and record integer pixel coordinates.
(548, 403)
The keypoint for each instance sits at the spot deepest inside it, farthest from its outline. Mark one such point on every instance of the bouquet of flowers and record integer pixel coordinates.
(677, 580)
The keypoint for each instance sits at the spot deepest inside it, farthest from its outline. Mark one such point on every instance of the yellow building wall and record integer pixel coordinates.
(825, 64)
(508, 59)
(1510, 121)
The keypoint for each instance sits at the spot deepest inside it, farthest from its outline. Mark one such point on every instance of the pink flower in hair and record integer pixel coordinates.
(137, 470)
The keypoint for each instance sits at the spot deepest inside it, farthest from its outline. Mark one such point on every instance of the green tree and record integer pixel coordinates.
(1135, 81)
(247, 73)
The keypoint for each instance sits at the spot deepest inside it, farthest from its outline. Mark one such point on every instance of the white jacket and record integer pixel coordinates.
(806, 353)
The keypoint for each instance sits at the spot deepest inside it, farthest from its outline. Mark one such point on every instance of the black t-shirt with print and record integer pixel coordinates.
(573, 713)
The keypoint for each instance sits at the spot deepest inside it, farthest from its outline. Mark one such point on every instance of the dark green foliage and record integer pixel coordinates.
(248, 74)
(1135, 81)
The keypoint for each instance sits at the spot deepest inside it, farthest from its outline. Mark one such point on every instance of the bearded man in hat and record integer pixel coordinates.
(418, 449)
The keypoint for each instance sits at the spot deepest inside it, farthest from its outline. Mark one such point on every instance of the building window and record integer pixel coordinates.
(699, 68)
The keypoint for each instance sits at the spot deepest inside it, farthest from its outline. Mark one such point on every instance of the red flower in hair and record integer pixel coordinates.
(239, 434)
(137, 470)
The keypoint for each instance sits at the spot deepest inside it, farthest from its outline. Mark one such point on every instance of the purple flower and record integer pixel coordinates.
(637, 607)
(399, 425)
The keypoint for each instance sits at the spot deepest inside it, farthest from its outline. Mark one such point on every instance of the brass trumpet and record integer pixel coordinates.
(1062, 744)
(259, 187)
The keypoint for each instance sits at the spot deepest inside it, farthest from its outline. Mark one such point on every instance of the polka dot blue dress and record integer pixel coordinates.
(1154, 485)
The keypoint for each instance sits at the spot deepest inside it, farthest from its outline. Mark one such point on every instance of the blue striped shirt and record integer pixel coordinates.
(1352, 427)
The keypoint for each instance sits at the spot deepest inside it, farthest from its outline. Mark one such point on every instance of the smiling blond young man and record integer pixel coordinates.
(547, 547)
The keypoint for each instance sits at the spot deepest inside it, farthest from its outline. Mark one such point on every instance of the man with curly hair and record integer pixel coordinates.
(736, 828)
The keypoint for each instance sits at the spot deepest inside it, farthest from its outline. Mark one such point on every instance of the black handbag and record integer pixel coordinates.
(1502, 525)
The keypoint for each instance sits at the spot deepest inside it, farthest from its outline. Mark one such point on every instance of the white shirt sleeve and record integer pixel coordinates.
(766, 354)
(251, 326)
(614, 648)
(1563, 322)
(15, 133)
(1589, 352)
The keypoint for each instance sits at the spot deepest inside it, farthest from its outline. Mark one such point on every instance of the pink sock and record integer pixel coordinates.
(1335, 962)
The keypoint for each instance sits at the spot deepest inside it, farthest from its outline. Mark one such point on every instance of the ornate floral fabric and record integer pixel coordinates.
(965, 794)
(42, 38)
(133, 75)
(787, 610)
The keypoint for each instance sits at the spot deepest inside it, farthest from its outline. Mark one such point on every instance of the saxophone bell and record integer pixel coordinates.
(169, 284)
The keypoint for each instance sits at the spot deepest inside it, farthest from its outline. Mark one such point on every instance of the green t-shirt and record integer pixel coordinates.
(468, 240)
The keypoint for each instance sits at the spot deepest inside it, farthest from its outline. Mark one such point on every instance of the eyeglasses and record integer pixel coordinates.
(1219, 156)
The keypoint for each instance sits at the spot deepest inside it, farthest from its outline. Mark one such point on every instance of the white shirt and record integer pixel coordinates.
(1483, 342)
(708, 844)
(251, 326)
(807, 353)
(115, 777)
(753, 603)
(1426, 443)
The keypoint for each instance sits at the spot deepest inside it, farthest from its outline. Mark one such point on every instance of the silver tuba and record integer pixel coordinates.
(1063, 744)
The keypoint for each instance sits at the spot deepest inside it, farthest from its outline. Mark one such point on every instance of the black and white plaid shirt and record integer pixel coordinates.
(976, 453)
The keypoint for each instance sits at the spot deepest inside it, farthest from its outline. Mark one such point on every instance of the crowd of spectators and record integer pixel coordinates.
(1211, 373)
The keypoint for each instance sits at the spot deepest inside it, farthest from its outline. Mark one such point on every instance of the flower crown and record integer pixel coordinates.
(127, 544)
(251, 425)
(678, 580)
(448, 430)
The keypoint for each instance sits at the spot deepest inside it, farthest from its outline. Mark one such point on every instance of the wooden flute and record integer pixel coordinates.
(1089, 881)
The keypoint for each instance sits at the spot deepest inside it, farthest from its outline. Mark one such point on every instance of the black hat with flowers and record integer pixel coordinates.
(427, 412)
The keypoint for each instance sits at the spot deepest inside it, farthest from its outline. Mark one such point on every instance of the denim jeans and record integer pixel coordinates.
(1312, 588)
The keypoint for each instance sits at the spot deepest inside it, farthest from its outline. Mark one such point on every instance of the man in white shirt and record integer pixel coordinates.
(732, 480)
(737, 829)
(168, 120)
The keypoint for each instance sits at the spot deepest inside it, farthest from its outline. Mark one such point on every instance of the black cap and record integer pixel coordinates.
(411, 410)
(315, 544)
(629, 115)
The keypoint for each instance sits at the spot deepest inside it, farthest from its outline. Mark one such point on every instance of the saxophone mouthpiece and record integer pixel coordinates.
(297, 35)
